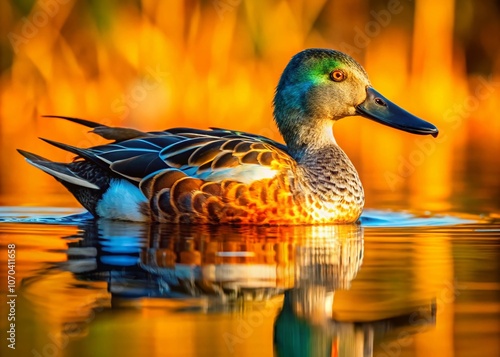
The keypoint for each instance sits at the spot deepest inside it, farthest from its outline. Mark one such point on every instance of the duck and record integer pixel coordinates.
(220, 176)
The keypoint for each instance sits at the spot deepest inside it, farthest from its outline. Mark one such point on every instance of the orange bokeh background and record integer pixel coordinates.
(154, 64)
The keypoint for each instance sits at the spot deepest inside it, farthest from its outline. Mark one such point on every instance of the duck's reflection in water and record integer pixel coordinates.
(230, 269)
(249, 263)
(326, 262)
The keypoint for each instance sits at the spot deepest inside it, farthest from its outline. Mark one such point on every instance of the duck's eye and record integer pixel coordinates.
(337, 75)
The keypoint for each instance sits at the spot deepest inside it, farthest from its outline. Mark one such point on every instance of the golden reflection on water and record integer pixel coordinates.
(133, 289)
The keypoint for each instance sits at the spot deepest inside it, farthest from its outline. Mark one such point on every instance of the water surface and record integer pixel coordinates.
(398, 284)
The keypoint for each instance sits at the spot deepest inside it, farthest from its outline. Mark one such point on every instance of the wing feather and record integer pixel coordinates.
(205, 153)
(229, 145)
(137, 167)
(251, 157)
(224, 160)
(214, 154)
(184, 145)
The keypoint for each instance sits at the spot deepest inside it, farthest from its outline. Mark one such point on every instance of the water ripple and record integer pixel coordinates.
(370, 217)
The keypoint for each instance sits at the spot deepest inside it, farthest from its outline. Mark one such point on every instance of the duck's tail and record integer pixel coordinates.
(89, 178)
(59, 171)
(102, 194)
(85, 180)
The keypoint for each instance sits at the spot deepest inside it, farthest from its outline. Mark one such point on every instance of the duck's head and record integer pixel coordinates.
(320, 86)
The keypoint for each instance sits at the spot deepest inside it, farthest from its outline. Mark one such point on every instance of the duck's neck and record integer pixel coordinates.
(303, 134)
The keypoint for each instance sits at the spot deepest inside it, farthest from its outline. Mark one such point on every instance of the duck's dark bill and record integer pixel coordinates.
(380, 109)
